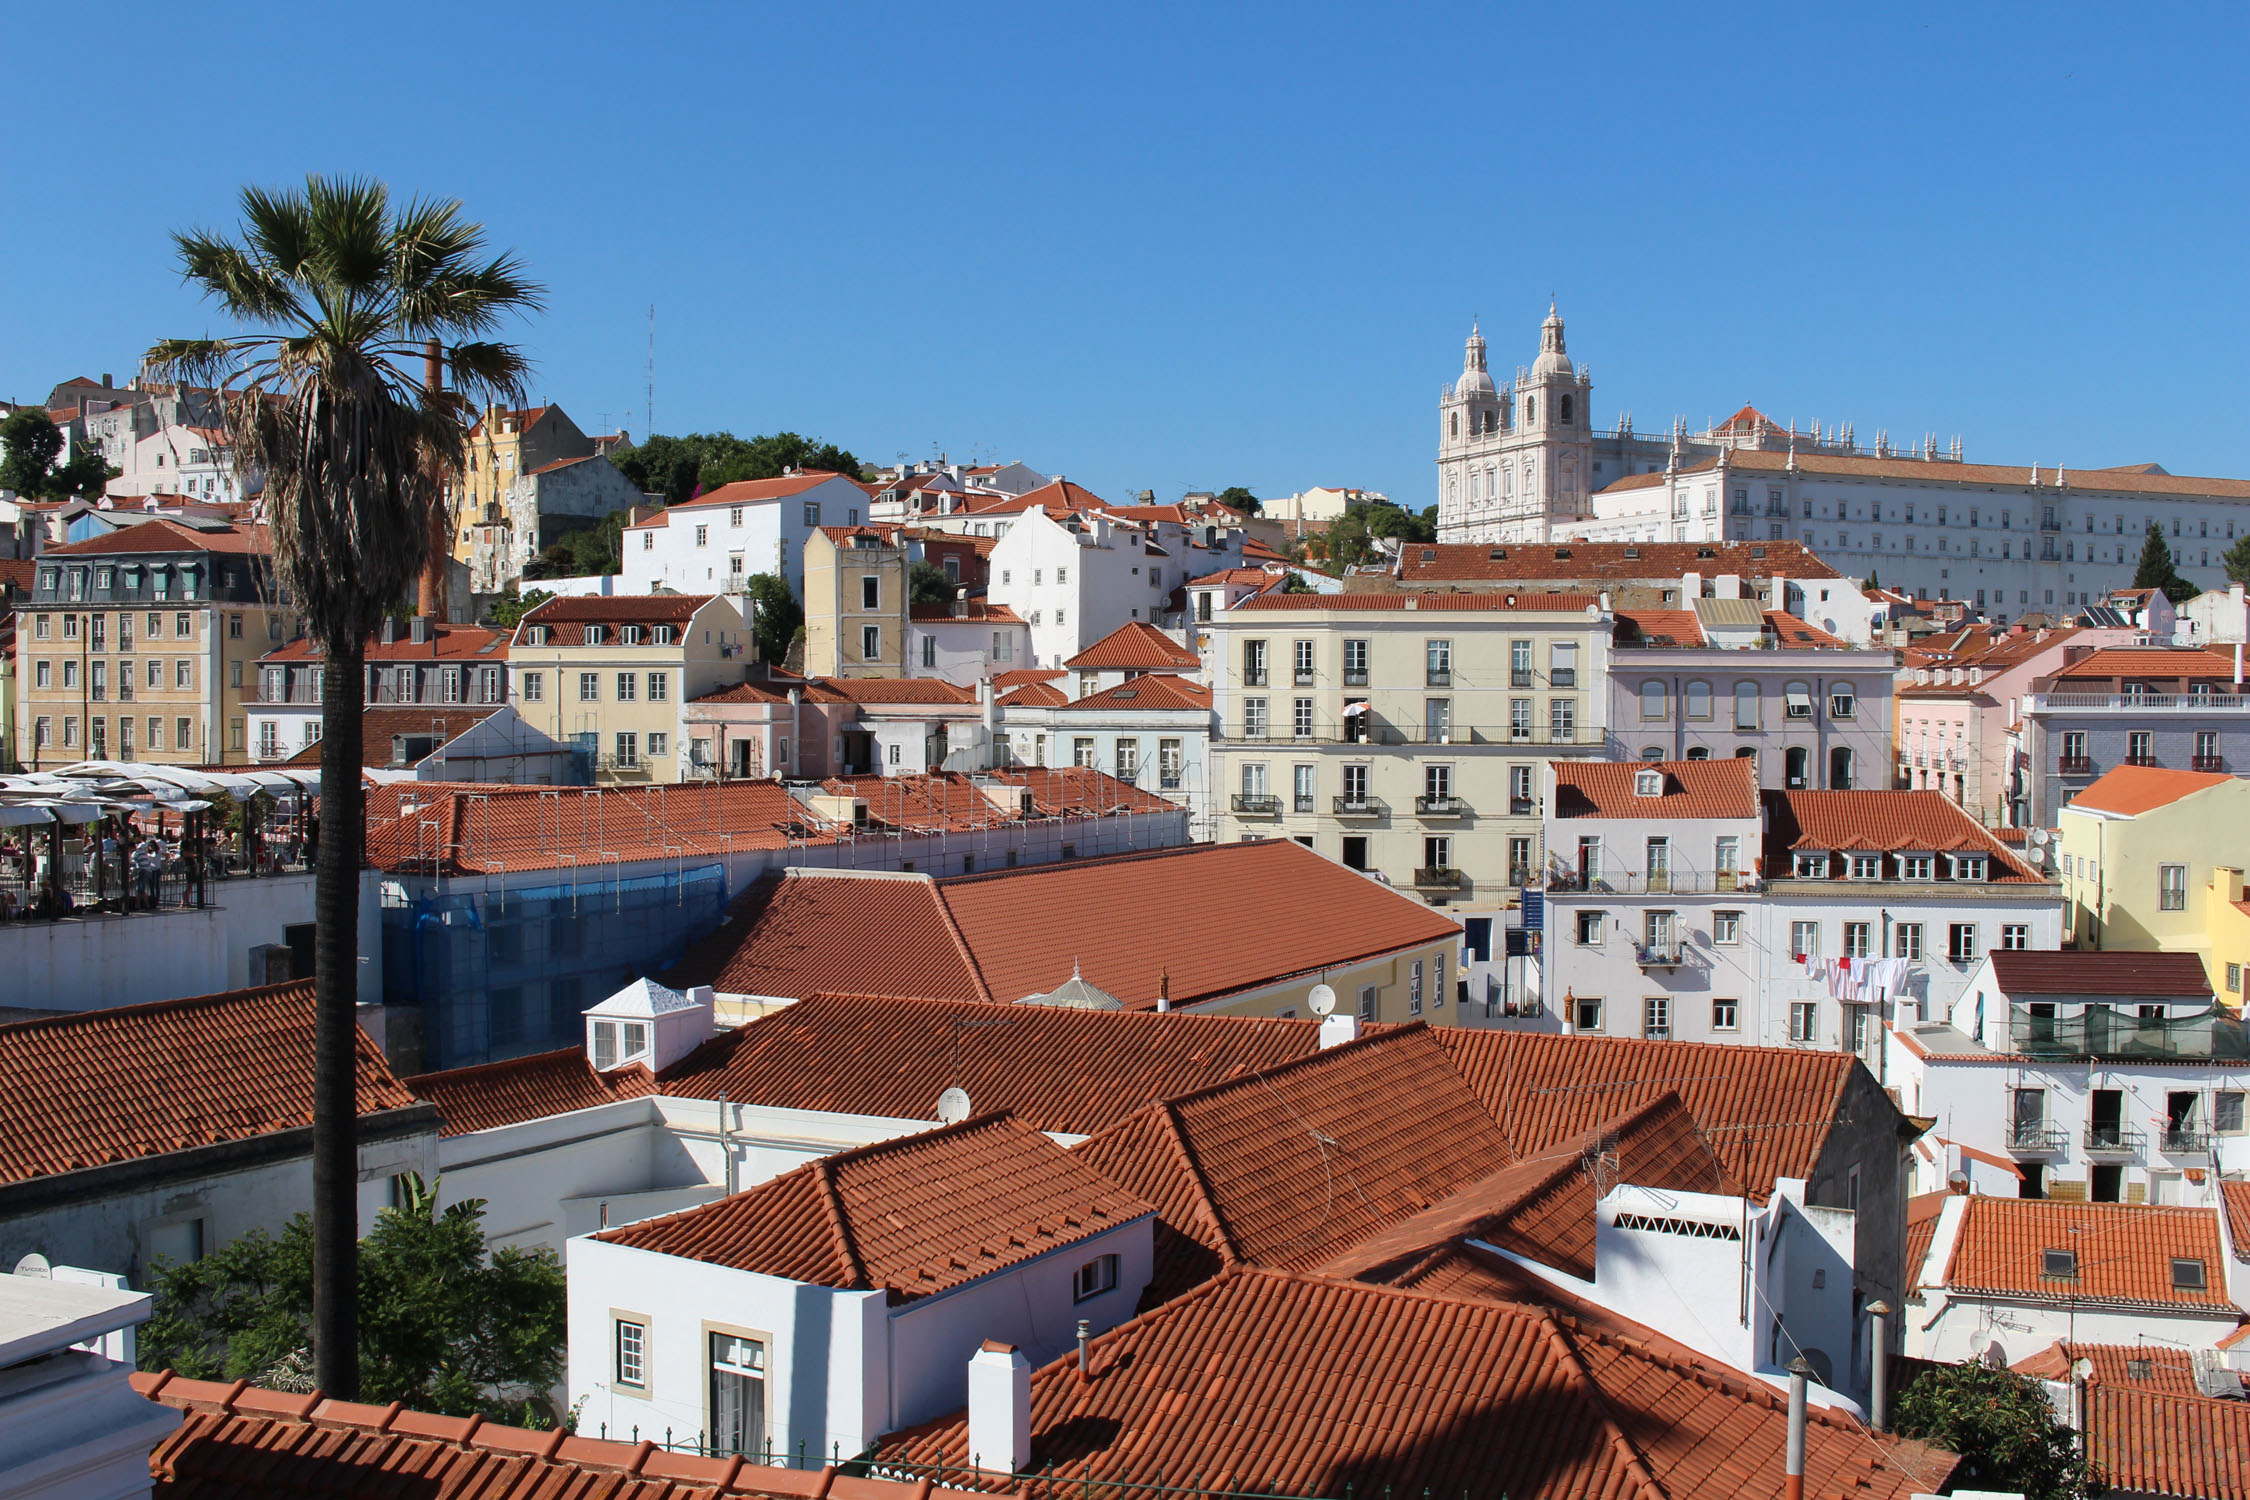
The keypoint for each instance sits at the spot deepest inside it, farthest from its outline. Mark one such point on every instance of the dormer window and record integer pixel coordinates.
(1648, 783)
(1867, 867)
(535, 635)
(630, 635)
(596, 634)
(1968, 867)
(1917, 866)
(664, 635)
(1811, 866)
(618, 1042)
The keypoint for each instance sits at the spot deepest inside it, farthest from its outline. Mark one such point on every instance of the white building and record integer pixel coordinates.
(717, 542)
(1146, 725)
(71, 1425)
(1683, 903)
(1077, 579)
(844, 1299)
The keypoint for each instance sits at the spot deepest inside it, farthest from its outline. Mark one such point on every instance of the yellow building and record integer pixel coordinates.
(2151, 862)
(504, 446)
(855, 603)
(142, 644)
(611, 676)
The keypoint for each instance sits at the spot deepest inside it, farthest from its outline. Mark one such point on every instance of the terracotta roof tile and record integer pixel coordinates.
(2164, 1368)
(1794, 634)
(446, 643)
(1766, 1111)
(379, 726)
(141, 1080)
(1692, 789)
(973, 611)
(804, 932)
(2158, 1443)
(1136, 646)
(1431, 601)
(1885, 822)
(2129, 481)
(559, 614)
(888, 690)
(493, 1094)
(2124, 1252)
(1659, 627)
(1003, 681)
(2235, 1197)
(1291, 1384)
(1072, 1071)
(1035, 695)
(476, 828)
(163, 535)
(913, 1216)
(1922, 1215)
(1605, 562)
(1079, 792)
(240, 1441)
(2103, 972)
(1151, 690)
(2130, 791)
(749, 491)
(2155, 662)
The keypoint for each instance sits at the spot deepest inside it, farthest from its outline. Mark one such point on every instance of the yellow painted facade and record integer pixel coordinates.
(2152, 881)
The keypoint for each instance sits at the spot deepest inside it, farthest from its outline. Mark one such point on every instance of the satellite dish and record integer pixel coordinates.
(36, 1265)
(2039, 837)
(1322, 999)
(953, 1106)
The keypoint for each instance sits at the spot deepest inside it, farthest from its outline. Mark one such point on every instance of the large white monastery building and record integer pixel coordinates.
(1525, 462)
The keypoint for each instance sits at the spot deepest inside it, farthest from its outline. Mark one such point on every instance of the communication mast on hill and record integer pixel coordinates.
(651, 372)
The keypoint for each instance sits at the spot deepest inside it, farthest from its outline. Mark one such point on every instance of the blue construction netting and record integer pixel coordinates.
(501, 973)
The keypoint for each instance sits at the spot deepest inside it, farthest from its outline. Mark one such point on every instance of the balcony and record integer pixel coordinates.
(1439, 677)
(1253, 676)
(1519, 677)
(2207, 763)
(2074, 765)
(2113, 1140)
(2184, 1140)
(1348, 806)
(1439, 878)
(1661, 883)
(1441, 807)
(2036, 1140)
(1659, 955)
(2141, 758)
(1354, 678)
(1257, 805)
(1303, 677)
(1563, 677)
(1521, 807)
(2144, 703)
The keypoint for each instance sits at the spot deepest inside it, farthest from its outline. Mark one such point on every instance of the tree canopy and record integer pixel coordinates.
(29, 445)
(929, 585)
(777, 616)
(2004, 1428)
(508, 610)
(589, 552)
(2158, 571)
(1241, 499)
(447, 1323)
(1351, 538)
(2237, 561)
(676, 467)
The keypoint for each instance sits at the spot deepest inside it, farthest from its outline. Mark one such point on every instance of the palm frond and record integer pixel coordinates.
(277, 228)
(350, 222)
(247, 286)
(489, 373)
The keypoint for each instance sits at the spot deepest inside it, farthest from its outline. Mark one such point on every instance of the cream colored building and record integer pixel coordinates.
(504, 446)
(2150, 861)
(855, 602)
(1406, 735)
(611, 676)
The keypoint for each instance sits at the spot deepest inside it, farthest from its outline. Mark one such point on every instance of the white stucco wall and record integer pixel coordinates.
(102, 961)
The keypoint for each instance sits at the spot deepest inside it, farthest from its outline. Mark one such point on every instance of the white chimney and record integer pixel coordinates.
(1000, 1408)
(1338, 1028)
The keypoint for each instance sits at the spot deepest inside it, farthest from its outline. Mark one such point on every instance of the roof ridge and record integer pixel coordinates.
(1265, 1075)
(961, 943)
(147, 1007)
(847, 1252)
(1169, 1123)
(1636, 1463)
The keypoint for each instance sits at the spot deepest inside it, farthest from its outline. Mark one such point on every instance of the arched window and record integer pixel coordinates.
(1652, 752)
(1476, 484)
(1696, 700)
(1652, 701)
(1508, 481)
(1563, 414)
(1840, 768)
(1703, 752)
(1746, 705)
(1456, 424)
(1531, 411)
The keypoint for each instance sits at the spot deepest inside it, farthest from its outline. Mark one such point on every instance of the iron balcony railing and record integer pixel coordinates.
(1440, 877)
(2036, 1140)
(1360, 807)
(1658, 883)
(2146, 703)
(1659, 955)
(2074, 765)
(1386, 732)
(2207, 763)
(1257, 804)
(1440, 807)
(2184, 1140)
(2114, 1139)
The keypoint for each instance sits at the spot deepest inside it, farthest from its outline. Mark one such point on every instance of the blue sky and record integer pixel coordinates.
(1180, 247)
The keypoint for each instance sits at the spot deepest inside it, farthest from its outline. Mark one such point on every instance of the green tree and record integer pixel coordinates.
(2158, 571)
(1292, 583)
(345, 300)
(29, 445)
(676, 467)
(2237, 560)
(929, 585)
(588, 552)
(2004, 1428)
(449, 1325)
(776, 616)
(1241, 499)
(509, 609)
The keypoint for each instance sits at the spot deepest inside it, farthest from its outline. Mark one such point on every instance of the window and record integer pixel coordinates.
(1301, 718)
(1302, 654)
(1867, 866)
(2187, 1274)
(1908, 939)
(1562, 720)
(1746, 705)
(2226, 1112)
(702, 536)
(2171, 887)
(1519, 664)
(1587, 1014)
(2015, 936)
(1653, 702)
(1125, 759)
(738, 1388)
(1437, 720)
(1804, 939)
(1725, 1015)
(1168, 762)
(1804, 1020)
(1253, 663)
(1726, 927)
(1842, 701)
(596, 635)
(44, 674)
(1367, 1002)
(870, 642)
(589, 687)
(1813, 866)
(1917, 866)
(1253, 718)
(1438, 662)
(1695, 701)
(628, 687)
(1589, 926)
(631, 1346)
(628, 748)
(1562, 670)
(812, 512)
(183, 734)
(1968, 867)
(1414, 988)
(1799, 700)
(1355, 663)
(659, 687)
(2140, 744)
(1300, 784)
(2234, 979)
(871, 593)
(1656, 1019)
(1095, 1277)
(1961, 942)
(1855, 939)
(659, 744)
(1082, 754)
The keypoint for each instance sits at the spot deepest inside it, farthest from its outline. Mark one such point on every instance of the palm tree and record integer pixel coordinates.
(338, 294)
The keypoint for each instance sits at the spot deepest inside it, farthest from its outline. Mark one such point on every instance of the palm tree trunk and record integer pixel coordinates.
(430, 594)
(336, 1022)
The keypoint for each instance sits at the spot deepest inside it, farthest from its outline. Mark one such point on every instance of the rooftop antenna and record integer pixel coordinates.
(651, 371)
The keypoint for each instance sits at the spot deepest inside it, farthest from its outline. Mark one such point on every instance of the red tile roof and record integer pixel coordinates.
(1079, 792)
(2149, 662)
(888, 690)
(118, 1085)
(378, 726)
(484, 826)
(2125, 1252)
(1885, 822)
(489, 1095)
(2234, 1196)
(973, 611)
(1008, 934)
(749, 491)
(2165, 1368)
(239, 1440)
(2130, 791)
(446, 643)
(161, 535)
(1766, 1111)
(2128, 481)
(1151, 690)
(1433, 601)
(1285, 1383)
(2157, 1443)
(914, 1216)
(1003, 681)
(1794, 634)
(559, 614)
(1035, 695)
(1659, 627)
(2103, 972)
(1922, 1214)
(1605, 562)
(1071, 1071)
(1136, 646)
(1692, 789)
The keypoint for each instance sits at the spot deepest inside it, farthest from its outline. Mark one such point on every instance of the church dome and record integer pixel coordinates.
(1475, 379)
(1552, 360)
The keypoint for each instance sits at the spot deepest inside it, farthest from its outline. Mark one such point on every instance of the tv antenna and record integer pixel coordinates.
(651, 371)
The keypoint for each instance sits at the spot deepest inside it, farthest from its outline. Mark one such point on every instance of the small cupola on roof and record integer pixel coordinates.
(650, 1024)
(1075, 993)
(1475, 379)
(1552, 358)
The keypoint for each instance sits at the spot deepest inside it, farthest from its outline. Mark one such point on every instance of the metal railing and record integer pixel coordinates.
(2147, 703)
(1658, 883)
(2184, 1140)
(2036, 1140)
(1360, 807)
(1383, 732)
(2074, 765)
(1257, 804)
(2114, 1138)
(1659, 956)
(1440, 807)
(1440, 877)
(2207, 763)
